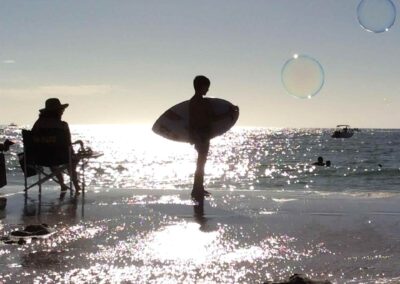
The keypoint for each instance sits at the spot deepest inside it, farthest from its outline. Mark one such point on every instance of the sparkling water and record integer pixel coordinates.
(242, 159)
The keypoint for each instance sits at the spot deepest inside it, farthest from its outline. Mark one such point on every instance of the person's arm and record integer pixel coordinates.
(80, 142)
(229, 113)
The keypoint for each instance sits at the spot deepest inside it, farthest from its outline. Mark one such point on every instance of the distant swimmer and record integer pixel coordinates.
(328, 163)
(320, 162)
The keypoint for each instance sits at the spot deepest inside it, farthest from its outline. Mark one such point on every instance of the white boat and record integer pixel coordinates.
(343, 131)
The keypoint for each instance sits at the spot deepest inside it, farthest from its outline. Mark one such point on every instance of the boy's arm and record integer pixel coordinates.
(229, 113)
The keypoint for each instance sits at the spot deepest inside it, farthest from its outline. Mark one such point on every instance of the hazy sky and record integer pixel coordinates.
(128, 61)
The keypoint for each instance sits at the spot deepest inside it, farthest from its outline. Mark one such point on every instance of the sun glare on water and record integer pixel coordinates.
(134, 156)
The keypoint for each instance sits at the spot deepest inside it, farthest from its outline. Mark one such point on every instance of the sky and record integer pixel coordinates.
(126, 62)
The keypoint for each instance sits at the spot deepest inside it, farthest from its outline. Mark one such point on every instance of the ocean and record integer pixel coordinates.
(242, 159)
(271, 213)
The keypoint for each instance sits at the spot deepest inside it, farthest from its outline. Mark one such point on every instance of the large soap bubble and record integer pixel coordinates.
(376, 16)
(302, 76)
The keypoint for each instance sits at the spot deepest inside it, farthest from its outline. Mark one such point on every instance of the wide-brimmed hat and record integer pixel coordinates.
(54, 104)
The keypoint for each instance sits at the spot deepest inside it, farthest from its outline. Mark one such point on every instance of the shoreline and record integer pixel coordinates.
(249, 236)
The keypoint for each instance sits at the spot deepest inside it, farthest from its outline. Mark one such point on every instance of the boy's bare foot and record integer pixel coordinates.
(199, 195)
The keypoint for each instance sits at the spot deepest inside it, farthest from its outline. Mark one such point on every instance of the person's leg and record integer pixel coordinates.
(198, 184)
(74, 175)
(75, 180)
(60, 178)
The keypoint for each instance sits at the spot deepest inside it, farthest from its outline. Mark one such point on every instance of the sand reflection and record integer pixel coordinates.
(182, 242)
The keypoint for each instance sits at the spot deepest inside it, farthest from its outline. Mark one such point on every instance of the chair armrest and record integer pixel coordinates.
(80, 142)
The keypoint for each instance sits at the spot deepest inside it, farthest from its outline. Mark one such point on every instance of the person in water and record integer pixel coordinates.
(319, 162)
(50, 118)
(201, 116)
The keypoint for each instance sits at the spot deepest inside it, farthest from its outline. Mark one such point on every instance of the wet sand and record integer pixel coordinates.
(159, 236)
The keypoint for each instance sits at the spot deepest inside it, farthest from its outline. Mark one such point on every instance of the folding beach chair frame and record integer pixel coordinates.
(31, 162)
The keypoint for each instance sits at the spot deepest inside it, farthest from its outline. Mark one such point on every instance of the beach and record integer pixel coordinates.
(158, 236)
(283, 115)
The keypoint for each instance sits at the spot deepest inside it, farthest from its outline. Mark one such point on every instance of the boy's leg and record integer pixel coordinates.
(198, 184)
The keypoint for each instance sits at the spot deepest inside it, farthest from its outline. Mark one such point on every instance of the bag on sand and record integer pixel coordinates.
(3, 177)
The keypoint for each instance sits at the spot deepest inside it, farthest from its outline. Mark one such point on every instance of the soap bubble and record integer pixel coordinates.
(302, 76)
(376, 16)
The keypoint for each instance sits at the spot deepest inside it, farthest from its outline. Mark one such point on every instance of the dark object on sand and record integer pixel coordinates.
(3, 203)
(20, 234)
(38, 230)
(32, 231)
(299, 279)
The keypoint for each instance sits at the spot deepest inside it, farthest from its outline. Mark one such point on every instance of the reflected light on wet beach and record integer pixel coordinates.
(182, 242)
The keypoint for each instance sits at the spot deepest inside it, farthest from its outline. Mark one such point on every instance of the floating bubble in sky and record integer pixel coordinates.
(302, 76)
(376, 16)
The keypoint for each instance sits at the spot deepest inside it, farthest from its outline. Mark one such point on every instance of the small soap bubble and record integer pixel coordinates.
(302, 76)
(376, 16)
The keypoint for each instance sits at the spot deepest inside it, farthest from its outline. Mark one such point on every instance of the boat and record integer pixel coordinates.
(13, 125)
(344, 131)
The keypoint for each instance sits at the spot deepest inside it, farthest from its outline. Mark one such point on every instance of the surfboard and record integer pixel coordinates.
(174, 123)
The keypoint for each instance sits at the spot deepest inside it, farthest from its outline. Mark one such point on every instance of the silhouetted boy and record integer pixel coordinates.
(200, 118)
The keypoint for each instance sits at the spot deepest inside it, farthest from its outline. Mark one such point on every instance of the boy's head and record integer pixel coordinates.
(201, 84)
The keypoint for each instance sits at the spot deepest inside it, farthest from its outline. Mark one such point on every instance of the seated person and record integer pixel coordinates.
(4, 147)
(50, 118)
(320, 162)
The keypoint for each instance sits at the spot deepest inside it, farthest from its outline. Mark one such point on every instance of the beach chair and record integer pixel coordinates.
(44, 150)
